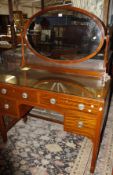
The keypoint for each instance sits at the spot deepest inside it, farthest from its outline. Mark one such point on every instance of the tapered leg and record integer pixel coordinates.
(3, 130)
(96, 146)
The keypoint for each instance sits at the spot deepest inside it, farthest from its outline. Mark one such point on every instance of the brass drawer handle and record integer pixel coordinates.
(80, 124)
(53, 101)
(4, 91)
(81, 106)
(24, 95)
(6, 106)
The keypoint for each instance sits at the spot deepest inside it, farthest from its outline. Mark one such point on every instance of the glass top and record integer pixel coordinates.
(60, 83)
(64, 34)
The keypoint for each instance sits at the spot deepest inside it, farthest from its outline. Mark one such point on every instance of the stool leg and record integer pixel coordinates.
(3, 128)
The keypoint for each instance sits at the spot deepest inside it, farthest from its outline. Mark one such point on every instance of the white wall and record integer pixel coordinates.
(4, 9)
(30, 11)
(93, 6)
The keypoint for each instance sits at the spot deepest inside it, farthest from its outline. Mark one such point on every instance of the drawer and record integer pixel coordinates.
(7, 90)
(8, 106)
(70, 103)
(79, 122)
(79, 104)
(18, 93)
(48, 99)
(26, 95)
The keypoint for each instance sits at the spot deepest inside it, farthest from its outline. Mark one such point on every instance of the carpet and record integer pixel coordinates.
(42, 148)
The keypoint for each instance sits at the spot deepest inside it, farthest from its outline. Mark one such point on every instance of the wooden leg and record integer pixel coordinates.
(98, 138)
(3, 128)
(25, 119)
(96, 146)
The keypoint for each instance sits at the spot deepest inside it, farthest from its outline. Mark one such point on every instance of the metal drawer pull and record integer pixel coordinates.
(53, 101)
(80, 124)
(6, 106)
(3, 91)
(81, 106)
(24, 95)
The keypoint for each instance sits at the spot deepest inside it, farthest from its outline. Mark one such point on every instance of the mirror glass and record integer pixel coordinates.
(64, 34)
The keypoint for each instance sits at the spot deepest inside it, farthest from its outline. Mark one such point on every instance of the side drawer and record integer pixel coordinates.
(28, 95)
(18, 93)
(78, 104)
(8, 106)
(80, 122)
(6, 90)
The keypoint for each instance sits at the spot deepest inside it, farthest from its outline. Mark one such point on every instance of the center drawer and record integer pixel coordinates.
(48, 99)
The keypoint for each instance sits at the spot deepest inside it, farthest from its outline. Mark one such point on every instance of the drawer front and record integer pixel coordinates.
(48, 99)
(18, 93)
(7, 91)
(8, 106)
(79, 104)
(70, 103)
(79, 122)
(26, 95)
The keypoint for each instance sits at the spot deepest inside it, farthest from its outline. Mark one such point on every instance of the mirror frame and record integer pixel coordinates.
(66, 7)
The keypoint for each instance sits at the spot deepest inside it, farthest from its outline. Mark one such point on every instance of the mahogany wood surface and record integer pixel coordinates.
(87, 122)
(84, 109)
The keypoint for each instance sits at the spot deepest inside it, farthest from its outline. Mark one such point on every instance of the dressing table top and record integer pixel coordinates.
(71, 84)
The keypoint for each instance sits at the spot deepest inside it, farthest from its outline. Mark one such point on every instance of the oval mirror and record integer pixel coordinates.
(64, 34)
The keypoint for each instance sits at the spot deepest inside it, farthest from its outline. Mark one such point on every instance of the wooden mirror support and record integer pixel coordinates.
(65, 36)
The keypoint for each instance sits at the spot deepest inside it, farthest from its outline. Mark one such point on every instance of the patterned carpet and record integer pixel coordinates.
(43, 148)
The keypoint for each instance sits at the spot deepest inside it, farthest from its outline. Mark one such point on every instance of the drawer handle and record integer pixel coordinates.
(80, 124)
(53, 101)
(24, 95)
(4, 91)
(81, 106)
(6, 106)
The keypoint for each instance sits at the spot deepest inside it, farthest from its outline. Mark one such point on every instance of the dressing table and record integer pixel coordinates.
(69, 75)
